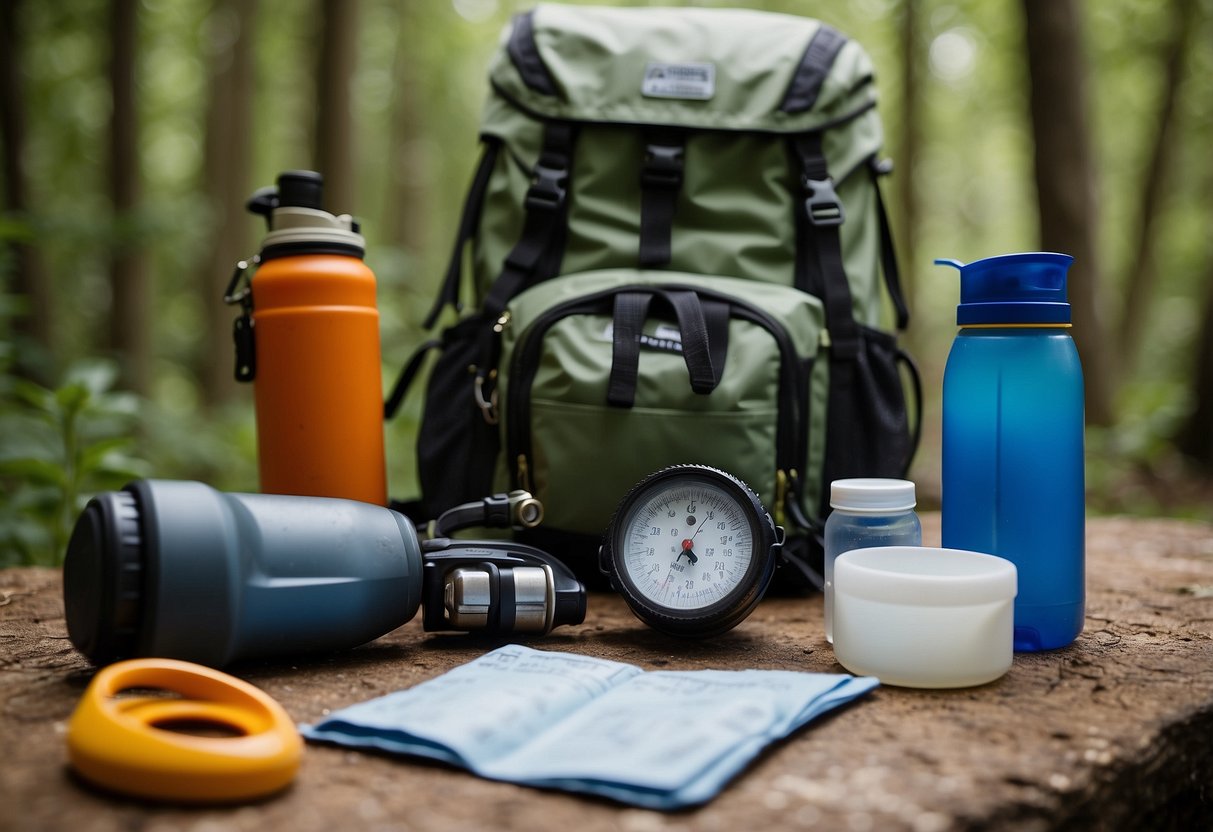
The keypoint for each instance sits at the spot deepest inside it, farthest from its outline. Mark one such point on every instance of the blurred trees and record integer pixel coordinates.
(1065, 179)
(35, 327)
(1140, 277)
(130, 141)
(130, 336)
(225, 180)
(335, 118)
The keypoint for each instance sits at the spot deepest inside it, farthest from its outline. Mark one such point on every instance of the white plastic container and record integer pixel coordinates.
(922, 617)
(866, 512)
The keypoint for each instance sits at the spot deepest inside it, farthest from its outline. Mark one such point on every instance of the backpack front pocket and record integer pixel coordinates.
(594, 400)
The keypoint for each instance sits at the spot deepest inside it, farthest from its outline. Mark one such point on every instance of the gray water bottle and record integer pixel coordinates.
(866, 512)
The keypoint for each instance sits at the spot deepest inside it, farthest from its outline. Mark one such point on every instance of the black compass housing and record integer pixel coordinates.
(721, 615)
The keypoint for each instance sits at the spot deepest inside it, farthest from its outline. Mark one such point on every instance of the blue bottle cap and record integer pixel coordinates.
(1027, 288)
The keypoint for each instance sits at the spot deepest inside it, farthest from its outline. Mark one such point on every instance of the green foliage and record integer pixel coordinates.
(57, 447)
(1134, 469)
(417, 93)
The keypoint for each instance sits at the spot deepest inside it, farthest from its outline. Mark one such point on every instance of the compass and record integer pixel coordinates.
(691, 550)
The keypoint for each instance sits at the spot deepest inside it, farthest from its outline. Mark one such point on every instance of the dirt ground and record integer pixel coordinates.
(1111, 732)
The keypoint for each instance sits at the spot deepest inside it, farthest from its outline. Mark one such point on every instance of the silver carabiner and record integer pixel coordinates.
(235, 292)
(488, 408)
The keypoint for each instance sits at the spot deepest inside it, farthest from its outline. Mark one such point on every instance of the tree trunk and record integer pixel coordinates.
(404, 221)
(334, 113)
(130, 318)
(34, 328)
(1196, 438)
(1142, 276)
(1065, 179)
(228, 157)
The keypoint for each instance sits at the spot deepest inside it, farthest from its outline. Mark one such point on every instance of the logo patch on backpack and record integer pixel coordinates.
(696, 82)
(666, 338)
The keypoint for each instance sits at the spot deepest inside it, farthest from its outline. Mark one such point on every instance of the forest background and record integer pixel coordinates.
(132, 131)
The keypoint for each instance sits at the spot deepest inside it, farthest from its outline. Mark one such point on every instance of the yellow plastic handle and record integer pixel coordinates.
(119, 744)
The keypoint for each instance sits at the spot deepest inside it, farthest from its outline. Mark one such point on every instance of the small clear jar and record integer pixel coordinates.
(866, 512)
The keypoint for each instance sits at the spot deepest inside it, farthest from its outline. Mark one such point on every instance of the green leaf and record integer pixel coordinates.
(36, 396)
(73, 397)
(34, 470)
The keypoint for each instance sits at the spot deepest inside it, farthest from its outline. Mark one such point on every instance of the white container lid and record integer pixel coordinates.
(872, 494)
(923, 617)
(920, 576)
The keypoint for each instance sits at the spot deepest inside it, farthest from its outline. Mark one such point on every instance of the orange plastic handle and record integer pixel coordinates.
(118, 743)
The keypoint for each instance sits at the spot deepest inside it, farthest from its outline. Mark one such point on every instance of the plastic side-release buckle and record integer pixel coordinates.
(662, 166)
(822, 205)
(547, 191)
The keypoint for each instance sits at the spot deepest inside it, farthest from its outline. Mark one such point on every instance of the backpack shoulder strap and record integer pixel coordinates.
(524, 53)
(448, 293)
(888, 254)
(540, 248)
(819, 263)
(815, 65)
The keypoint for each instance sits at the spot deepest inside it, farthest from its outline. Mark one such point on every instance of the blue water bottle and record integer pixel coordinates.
(1013, 438)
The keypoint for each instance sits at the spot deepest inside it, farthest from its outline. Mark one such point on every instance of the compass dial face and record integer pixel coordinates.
(686, 545)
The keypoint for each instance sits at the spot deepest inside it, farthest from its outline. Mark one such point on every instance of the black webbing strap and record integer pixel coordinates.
(631, 309)
(716, 319)
(524, 54)
(703, 327)
(537, 254)
(888, 254)
(694, 331)
(540, 248)
(819, 235)
(660, 184)
(405, 380)
(815, 65)
(470, 218)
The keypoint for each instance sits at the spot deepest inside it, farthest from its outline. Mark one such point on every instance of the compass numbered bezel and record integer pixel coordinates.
(730, 609)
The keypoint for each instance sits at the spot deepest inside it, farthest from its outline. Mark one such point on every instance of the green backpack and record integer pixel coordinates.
(679, 254)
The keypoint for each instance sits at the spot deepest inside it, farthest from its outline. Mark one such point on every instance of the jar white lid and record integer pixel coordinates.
(919, 576)
(872, 494)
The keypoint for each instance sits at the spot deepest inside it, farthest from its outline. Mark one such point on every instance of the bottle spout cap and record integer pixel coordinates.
(1024, 288)
(301, 188)
(297, 222)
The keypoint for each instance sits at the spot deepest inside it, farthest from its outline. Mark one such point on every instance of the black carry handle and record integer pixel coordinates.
(631, 309)
(704, 331)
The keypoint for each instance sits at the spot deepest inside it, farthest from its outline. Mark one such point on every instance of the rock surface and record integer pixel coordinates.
(1112, 732)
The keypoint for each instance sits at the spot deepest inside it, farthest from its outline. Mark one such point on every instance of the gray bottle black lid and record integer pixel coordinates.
(103, 577)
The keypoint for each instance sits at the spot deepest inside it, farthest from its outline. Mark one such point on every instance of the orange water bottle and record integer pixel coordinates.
(309, 342)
